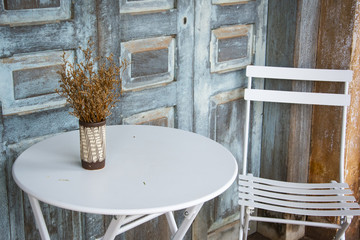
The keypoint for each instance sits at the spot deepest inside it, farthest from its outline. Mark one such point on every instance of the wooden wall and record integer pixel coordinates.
(321, 34)
(291, 42)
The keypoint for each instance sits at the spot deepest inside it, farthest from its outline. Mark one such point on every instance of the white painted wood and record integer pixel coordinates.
(223, 2)
(297, 97)
(29, 61)
(35, 16)
(147, 45)
(145, 6)
(228, 33)
(327, 75)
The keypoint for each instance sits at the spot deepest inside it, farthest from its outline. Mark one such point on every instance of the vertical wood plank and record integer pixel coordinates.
(352, 176)
(154, 229)
(217, 19)
(202, 90)
(334, 52)
(276, 130)
(15, 197)
(257, 108)
(4, 206)
(227, 115)
(279, 52)
(304, 56)
(92, 226)
(85, 20)
(185, 64)
(31, 231)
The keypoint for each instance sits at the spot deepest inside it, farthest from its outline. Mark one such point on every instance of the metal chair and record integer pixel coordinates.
(308, 199)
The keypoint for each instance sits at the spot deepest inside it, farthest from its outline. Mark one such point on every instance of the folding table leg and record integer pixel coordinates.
(190, 214)
(39, 218)
(113, 228)
(172, 223)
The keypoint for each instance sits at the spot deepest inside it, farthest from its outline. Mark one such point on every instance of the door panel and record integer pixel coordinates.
(152, 62)
(186, 71)
(33, 35)
(158, 43)
(229, 35)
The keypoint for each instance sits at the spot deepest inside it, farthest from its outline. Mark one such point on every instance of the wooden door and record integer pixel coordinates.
(33, 35)
(228, 36)
(187, 71)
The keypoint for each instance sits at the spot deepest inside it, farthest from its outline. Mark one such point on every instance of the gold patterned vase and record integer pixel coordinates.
(92, 145)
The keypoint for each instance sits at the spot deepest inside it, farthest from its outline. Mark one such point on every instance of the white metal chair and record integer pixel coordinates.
(309, 199)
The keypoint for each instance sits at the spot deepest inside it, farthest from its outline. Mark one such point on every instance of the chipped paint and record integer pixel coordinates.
(231, 32)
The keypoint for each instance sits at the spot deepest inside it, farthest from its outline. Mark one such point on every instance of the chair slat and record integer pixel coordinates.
(298, 191)
(312, 212)
(250, 177)
(326, 99)
(292, 197)
(308, 74)
(305, 205)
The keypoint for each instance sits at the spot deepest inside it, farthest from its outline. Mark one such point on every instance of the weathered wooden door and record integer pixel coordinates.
(228, 36)
(187, 60)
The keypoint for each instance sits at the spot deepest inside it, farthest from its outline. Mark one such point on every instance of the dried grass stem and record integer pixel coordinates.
(91, 94)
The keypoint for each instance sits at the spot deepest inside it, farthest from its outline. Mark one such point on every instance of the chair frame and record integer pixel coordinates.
(257, 192)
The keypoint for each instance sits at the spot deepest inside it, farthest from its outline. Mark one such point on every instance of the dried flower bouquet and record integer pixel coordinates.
(91, 93)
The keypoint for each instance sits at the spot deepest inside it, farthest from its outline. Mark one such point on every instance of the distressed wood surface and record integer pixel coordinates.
(223, 15)
(227, 114)
(17, 5)
(169, 84)
(32, 12)
(304, 57)
(4, 206)
(148, 25)
(352, 175)
(286, 133)
(223, 29)
(335, 50)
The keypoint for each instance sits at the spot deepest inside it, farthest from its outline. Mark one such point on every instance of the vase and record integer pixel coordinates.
(92, 145)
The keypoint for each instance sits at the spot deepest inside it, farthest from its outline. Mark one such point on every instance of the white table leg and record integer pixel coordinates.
(171, 222)
(39, 218)
(113, 228)
(190, 214)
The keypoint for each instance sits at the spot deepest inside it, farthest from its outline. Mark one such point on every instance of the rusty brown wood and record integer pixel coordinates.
(336, 50)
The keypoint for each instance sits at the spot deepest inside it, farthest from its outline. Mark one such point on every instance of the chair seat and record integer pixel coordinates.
(312, 199)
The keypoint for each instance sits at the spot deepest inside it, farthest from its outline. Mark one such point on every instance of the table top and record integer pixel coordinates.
(148, 170)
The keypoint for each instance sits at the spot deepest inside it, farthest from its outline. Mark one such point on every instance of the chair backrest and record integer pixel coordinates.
(294, 97)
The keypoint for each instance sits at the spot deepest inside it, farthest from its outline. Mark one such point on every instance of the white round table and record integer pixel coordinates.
(149, 171)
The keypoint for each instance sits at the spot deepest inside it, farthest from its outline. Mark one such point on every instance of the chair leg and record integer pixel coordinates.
(340, 235)
(248, 212)
(241, 230)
